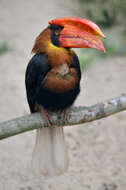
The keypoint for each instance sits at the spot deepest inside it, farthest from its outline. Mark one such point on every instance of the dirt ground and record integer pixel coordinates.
(97, 150)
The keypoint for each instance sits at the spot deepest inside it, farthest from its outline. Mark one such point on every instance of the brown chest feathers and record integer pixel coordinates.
(61, 79)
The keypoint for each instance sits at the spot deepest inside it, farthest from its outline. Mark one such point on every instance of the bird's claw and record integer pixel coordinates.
(65, 116)
(46, 117)
(45, 114)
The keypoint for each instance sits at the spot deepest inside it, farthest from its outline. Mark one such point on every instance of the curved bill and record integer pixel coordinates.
(79, 33)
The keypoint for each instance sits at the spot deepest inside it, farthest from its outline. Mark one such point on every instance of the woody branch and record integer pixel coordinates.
(77, 115)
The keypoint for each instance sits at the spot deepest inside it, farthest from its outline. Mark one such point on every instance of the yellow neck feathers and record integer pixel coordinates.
(56, 55)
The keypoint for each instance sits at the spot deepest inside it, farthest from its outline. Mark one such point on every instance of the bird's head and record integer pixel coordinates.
(70, 32)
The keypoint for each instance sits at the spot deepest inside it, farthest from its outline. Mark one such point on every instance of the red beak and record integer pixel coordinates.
(79, 33)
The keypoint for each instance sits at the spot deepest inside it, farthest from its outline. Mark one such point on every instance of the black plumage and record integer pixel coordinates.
(36, 71)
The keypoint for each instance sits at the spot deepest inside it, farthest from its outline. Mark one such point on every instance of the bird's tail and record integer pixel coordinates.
(50, 154)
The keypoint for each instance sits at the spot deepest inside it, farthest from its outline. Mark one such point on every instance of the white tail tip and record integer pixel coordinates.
(50, 156)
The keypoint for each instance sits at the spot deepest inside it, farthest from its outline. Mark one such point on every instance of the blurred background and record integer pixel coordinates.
(97, 150)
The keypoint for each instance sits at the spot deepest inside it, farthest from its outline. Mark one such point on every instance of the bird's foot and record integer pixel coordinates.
(45, 114)
(46, 117)
(65, 115)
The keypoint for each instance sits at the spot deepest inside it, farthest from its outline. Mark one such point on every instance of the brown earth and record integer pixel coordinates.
(97, 150)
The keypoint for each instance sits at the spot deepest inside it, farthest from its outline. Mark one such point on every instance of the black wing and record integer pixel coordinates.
(76, 64)
(35, 73)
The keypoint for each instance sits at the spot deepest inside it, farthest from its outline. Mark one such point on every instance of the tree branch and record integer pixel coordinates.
(77, 115)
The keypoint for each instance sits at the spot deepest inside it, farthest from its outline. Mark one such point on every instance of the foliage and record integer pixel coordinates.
(111, 48)
(4, 47)
(103, 12)
(86, 57)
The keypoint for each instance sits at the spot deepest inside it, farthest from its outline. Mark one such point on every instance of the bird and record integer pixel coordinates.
(52, 82)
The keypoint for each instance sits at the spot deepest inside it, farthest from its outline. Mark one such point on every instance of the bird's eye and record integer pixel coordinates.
(57, 32)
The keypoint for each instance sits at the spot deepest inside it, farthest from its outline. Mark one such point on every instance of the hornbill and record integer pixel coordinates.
(53, 83)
